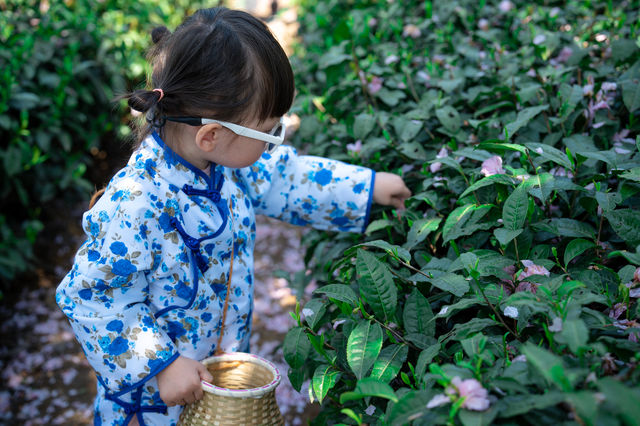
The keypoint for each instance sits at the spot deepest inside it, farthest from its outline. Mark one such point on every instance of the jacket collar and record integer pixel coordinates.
(157, 158)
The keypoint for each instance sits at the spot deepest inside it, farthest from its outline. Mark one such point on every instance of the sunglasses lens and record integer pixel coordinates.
(277, 131)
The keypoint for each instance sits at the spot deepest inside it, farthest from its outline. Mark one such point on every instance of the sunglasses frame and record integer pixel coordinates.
(272, 142)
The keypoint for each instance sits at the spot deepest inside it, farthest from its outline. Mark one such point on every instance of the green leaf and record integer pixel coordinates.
(576, 248)
(502, 147)
(489, 180)
(363, 125)
(377, 225)
(376, 285)
(548, 364)
(574, 333)
(334, 56)
(622, 397)
(515, 405)
(406, 129)
(296, 347)
(626, 223)
(621, 49)
(389, 363)
(24, 100)
(585, 404)
(551, 153)
(449, 118)
(504, 236)
(412, 406)
(566, 228)
(420, 229)
(390, 97)
(363, 347)
(425, 358)
(341, 292)
(318, 308)
(523, 118)
(453, 283)
(632, 174)
(389, 248)
(477, 418)
(369, 387)
(514, 211)
(324, 378)
(631, 257)
(608, 200)
(417, 315)
(464, 221)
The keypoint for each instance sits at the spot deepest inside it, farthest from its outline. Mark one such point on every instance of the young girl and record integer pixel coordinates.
(146, 292)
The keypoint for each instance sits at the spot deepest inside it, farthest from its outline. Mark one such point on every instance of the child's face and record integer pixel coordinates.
(236, 151)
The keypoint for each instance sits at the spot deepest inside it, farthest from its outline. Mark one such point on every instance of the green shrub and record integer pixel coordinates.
(512, 278)
(61, 64)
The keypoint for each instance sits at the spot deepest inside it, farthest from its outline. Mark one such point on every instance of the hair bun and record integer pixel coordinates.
(158, 33)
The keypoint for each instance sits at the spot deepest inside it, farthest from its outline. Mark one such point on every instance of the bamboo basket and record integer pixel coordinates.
(242, 393)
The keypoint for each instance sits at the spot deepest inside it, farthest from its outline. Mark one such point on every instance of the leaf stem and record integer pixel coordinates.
(495, 311)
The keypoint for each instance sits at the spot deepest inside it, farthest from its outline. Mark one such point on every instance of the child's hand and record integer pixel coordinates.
(179, 383)
(390, 190)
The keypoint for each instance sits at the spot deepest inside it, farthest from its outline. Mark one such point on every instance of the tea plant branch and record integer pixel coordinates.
(399, 337)
(495, 311)
(412, 88)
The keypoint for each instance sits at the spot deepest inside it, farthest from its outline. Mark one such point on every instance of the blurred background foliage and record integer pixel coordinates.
(61, 64)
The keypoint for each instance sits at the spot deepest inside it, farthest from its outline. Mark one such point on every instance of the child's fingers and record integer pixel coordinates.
(198, 394)
(204, 373)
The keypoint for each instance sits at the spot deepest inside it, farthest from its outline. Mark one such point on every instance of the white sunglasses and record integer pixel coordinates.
(273, 139)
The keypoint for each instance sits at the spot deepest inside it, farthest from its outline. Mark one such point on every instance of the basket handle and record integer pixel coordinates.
(219, 350)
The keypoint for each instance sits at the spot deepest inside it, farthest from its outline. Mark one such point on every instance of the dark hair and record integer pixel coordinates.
(220, 63)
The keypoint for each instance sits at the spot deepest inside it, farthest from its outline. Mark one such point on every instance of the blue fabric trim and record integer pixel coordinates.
(172, 154)
(370, 201)
(151, 374)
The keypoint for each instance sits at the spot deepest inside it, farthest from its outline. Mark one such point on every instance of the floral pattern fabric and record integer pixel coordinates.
(149, 283)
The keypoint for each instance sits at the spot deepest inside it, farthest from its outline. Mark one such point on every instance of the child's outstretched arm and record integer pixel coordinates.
(319, 192)
(179, 383)
(390, 190)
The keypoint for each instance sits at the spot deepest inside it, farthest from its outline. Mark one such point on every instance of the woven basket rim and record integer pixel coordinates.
(242, 393)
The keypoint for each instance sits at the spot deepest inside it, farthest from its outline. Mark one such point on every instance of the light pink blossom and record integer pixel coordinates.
(375, 85)
(505, 6)
(531, 268)
(435, 167)
(564, 55)
(438, 400)
(391, 59)
(492, 166)
(355, 147)
(608, 86)
(539, 39)
(625, 324)
(411, 30)
(483, 24)
(475, 396)
(621, 136)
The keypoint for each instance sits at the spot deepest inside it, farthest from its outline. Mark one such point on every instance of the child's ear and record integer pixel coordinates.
(207, 137)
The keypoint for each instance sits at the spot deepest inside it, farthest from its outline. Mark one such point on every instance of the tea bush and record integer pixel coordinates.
(61, 63)
(507, 292)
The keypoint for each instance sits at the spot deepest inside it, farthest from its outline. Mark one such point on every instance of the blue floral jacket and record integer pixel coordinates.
(149, 282)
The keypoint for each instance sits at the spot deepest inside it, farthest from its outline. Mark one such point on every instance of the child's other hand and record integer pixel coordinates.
(390, 190)
(179, 383)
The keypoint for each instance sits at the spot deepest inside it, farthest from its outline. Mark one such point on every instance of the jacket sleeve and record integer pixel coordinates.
(104, 294)
(307, 190)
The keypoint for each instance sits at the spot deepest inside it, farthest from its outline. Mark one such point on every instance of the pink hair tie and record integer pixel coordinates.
(161, 93)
